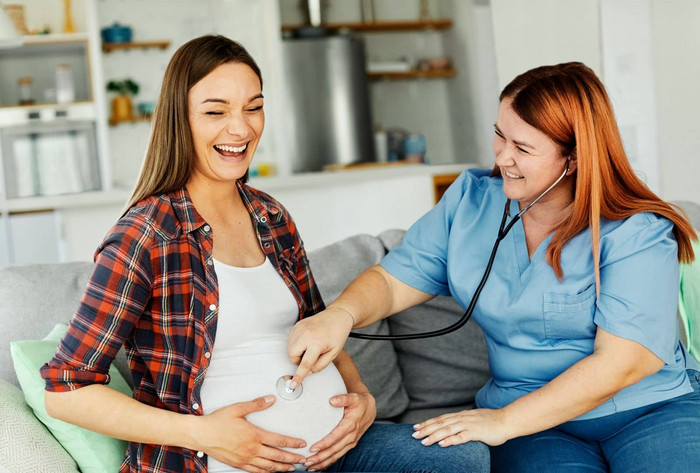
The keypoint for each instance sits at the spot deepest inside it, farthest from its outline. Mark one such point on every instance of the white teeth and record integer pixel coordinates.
(231, 149)
(513, 176)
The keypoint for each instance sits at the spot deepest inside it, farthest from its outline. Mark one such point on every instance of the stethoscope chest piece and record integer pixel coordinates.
(284, 391)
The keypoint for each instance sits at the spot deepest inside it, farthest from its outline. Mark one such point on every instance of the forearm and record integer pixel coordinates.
(101, 409)
(375, 294)
(348, 371)
(581, 388)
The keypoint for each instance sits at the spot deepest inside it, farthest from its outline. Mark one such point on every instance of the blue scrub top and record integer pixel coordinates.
(535, 325)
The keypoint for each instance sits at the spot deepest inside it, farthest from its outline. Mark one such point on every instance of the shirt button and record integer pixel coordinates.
(210, 261)
(207, 228)
(200, 454)
(267, 245)
(195, 406)
(207, 355)
(263, 219)
(212, 307)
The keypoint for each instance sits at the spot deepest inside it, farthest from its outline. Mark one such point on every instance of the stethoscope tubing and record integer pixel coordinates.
(503, 230)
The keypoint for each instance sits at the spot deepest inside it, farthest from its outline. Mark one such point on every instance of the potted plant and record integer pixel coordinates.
(121, 103)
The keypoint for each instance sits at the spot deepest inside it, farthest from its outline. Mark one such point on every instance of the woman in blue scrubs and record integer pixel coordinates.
(579, 312)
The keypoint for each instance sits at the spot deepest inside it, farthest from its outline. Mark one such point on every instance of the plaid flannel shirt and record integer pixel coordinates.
(154, 290)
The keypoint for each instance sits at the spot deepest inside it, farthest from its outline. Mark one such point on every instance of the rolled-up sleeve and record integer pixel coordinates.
(115, 297)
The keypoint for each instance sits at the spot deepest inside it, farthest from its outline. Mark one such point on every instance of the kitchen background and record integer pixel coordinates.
(434, 79)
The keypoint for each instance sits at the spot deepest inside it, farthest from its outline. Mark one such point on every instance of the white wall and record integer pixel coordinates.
(531, 33)
(676, 43)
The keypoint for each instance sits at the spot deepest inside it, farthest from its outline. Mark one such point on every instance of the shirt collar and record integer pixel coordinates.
(185, 212)
(261, 209)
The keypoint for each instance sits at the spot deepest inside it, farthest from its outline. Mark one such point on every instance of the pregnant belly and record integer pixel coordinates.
(253, 370)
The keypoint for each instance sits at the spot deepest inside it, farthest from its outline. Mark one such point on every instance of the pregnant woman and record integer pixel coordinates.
(201, 281)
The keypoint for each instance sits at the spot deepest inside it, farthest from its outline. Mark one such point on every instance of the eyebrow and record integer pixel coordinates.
(517, 142)
(224, 101)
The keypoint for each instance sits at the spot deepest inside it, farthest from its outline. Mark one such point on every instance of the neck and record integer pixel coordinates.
(213, 199)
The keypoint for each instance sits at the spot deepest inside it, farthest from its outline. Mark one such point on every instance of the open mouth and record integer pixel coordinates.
(511, 175)
(231, 151)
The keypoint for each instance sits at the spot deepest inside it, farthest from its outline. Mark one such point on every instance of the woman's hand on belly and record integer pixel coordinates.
(360, 412)
(227, 436)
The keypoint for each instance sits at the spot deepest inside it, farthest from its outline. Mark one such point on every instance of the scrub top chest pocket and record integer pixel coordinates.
(569, 316)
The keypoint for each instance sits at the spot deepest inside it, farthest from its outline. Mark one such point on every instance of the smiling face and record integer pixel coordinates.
(226, 118)
(528, 159)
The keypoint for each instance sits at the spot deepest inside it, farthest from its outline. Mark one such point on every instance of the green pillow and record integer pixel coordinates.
(93, 452)
(689, 302)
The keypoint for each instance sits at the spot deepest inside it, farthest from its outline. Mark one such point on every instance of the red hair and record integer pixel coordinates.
(569, 104)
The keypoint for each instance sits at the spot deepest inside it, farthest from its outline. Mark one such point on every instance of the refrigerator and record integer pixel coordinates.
(329, 118)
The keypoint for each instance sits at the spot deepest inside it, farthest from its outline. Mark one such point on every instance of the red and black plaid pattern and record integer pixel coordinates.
(155, 292)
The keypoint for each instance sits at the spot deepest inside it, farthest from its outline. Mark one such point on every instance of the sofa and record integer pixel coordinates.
(411, 380)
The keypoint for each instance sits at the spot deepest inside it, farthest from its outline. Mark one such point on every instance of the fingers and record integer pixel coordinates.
(439, 429)
(258, 404)
(331, 448)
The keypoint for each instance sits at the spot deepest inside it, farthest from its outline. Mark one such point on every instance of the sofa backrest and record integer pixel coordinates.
(34, 298)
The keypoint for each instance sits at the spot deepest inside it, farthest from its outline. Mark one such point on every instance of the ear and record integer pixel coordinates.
(573, 164)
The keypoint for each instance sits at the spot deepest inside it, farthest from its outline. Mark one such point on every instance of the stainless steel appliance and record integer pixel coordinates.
(329, 118)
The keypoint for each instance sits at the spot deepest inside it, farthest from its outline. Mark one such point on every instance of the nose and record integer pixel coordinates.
(237, 125)
(503, 153)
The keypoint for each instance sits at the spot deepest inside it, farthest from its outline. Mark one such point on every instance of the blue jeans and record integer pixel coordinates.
(662, 437)
(389, 448)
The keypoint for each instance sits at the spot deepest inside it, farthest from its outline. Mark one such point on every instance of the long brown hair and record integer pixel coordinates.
(170, 155)
(569, 104)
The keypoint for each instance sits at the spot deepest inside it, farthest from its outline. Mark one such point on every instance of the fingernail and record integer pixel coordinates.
(269, 399)
(416, 434)
(441, 443)
(314, 450)
(416, 427)
(302, 444)
(291, 468)
(424, 441)
(292, 386)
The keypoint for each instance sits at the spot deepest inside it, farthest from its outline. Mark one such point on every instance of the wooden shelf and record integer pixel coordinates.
(414, 74)
(379, 26)
(141, 118)
(109, 47)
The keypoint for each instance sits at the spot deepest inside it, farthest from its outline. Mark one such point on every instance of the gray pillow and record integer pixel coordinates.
(442, 371)
(334, 267)
(25, 444)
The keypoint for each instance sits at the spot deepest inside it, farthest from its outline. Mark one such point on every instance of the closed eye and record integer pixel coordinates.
(214, 113)
(522, 150)
(255, 109)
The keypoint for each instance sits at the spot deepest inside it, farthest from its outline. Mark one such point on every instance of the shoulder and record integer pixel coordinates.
(641, 231)
(473, 189)
(153, 217)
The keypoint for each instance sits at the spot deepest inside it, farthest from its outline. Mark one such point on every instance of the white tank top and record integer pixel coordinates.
(256, 313)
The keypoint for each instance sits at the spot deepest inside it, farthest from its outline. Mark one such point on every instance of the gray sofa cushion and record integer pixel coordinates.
(444, 371)
(33, 298)
(50, 293)
(437, 372)
(334, 267)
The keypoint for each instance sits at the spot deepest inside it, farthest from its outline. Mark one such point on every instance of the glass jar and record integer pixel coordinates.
(65, 86)
(25, 91)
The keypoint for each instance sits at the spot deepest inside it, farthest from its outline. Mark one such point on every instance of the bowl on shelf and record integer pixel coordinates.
(116, 34)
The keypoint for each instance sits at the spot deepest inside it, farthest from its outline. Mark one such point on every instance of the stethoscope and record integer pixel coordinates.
(283, 383)
(502, 232)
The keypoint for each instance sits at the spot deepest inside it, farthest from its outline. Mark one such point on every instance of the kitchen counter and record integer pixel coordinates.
(118, 197)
